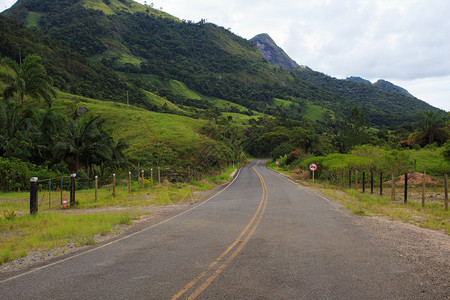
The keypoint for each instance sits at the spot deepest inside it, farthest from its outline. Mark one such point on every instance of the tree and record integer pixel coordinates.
(431, 128)
(81, 133)
(26, 78)
(17, 129)
(354, 132)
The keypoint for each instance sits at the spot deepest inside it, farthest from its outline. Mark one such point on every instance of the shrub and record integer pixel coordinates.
(14, 174)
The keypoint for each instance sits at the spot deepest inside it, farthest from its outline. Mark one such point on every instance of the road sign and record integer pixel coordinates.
(277, 162)
(313, 167)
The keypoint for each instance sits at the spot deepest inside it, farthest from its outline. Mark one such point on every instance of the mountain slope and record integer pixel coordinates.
(133, 39)
(70, 71)
(385, 107)
(208, 58)
(391, 87)
(274, 54)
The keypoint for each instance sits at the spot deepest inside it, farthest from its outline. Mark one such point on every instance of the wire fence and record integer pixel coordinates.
(52, 192)
(399, 186)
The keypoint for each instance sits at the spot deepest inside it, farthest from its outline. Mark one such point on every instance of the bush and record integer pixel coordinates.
(14, 174)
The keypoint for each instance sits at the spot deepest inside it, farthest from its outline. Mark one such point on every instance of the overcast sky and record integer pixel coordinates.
(406, 42)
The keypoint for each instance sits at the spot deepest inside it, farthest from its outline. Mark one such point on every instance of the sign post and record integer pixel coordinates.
(313, 167)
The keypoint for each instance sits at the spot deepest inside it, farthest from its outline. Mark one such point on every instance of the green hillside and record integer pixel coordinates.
(207, 58)
(382, 107)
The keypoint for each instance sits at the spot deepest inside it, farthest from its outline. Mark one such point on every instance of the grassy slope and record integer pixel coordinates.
(140, 128)
(180, 88)
(313, 112)
(131, 7)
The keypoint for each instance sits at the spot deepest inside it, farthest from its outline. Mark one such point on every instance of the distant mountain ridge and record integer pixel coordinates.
(358, 79)
(381, 83)
(392, 87)
(274, 54)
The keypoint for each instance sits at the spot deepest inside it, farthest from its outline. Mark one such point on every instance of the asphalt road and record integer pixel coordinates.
(260, 237)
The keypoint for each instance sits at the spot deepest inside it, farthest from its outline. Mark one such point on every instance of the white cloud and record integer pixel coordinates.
(5, 4)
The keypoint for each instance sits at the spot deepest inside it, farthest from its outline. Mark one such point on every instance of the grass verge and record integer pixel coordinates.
(43, 231)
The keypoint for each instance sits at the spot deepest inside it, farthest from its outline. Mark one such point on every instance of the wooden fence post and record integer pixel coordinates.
(33, 195)
(349, 178)
(406, 188)
(114, 185)
(151, 177)
(371, 181)
(72, 189)
(446, 192)
(96, 188)
(159, 175)
(142, 180)
(129, 182)
(393, 185)
(62, 182)
(423, 185)
(364, 181)
(381, 183)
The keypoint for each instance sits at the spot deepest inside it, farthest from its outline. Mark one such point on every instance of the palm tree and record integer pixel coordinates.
(431, 128)
(81, 133)
(17, 129)
(26, 78)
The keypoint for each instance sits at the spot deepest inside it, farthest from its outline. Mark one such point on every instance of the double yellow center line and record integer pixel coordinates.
(204, 279)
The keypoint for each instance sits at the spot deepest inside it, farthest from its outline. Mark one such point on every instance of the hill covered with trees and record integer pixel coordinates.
(138, 39)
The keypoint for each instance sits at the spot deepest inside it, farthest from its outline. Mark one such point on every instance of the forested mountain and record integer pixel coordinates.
(358, 79)
(138, 40)
(71, 71)
(384, 84)
(380, 105)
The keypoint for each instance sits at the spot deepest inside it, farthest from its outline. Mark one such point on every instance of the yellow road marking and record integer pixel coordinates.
(257, 216)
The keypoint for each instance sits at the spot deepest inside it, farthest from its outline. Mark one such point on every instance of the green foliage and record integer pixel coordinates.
(9, 214)
(381, 107)
(282, 149)
(71, 71)
(14, 174)
(431, 128)
(44, 143)
(27, 78)
(446, 151)
(354, 132)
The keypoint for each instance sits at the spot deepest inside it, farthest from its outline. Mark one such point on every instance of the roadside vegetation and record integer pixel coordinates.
(332, 179)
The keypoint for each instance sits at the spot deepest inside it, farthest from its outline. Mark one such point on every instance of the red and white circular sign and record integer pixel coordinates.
(313, 167)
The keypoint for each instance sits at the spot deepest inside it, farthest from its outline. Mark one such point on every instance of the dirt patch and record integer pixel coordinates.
(414, 178)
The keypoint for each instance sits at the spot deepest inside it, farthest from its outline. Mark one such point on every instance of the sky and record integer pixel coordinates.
(406, 42)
